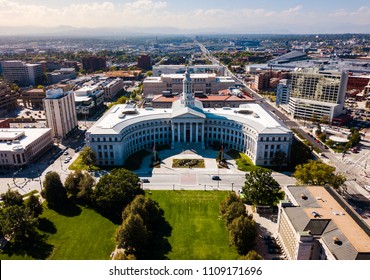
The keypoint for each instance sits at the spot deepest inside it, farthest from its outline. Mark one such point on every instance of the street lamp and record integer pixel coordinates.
(204, 187)
(232, 187)
(173, 187)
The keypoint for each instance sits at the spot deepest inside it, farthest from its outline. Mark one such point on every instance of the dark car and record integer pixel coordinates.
(145, 180)
(216, 178)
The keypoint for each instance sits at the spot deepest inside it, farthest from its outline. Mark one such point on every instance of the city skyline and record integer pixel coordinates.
(298, 17)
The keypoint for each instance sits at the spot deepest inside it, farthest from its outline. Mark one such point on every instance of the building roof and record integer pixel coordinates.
(114, 120)
(325, 214)
(14, 138)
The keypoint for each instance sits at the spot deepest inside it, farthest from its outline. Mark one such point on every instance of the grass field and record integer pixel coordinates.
(198, 232)
(83, 234)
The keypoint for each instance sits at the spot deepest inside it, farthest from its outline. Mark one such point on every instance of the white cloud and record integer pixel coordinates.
(147, 13)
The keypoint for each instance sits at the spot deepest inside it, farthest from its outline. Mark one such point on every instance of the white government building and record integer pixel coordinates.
(124, 130)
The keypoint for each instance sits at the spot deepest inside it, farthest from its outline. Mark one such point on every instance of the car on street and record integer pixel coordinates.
(216, 178)
(145, 180)
(65, 153)
(367, 188)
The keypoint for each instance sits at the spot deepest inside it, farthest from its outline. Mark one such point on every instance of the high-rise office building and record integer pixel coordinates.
(60, 112)
(317, 93)
(23, 74)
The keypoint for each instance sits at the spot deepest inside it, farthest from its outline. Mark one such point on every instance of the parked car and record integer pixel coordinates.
(216, 178)
(145, 180)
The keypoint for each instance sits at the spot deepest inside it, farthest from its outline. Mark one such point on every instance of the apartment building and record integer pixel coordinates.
(60, 112)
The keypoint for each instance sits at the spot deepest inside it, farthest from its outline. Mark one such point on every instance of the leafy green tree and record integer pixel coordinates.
(146, 208)
(53, 190)
(318, 173)
(79, 185)
(261, 188)
(17, 223)
(251, 255)
(11, 198)
(322, 136)
(34, 206)
(88, 157)
(242, 234)
(115, 191)
(300, 153)
(231, 208)
(133, 235)
(72, 183)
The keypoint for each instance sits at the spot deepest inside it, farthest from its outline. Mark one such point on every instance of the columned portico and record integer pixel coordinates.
(185, 130)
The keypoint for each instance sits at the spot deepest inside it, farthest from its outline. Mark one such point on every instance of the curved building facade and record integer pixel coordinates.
(124, 130)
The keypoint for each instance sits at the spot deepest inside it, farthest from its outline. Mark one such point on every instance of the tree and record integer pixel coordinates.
(72, 183)
(146, 208)
(17, 223)
(11, 198)
(261, 188)
(149, 73)
(79, 185)
(251, 255)
(34, 206)
(231, 208)
(115, 191)
(300, 153)
(242, 234)
(318, 173)
(88, 157)
(132, 235)
(324, 119)
(53, 191)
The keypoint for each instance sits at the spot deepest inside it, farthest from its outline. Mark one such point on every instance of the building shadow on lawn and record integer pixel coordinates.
(35, 247)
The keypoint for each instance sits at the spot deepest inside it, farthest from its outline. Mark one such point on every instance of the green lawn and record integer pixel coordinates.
(83, 234)
(78, 165)
(198, 232)
(243, 162)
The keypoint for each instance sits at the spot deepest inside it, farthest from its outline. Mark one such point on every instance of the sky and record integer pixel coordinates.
(234, 16)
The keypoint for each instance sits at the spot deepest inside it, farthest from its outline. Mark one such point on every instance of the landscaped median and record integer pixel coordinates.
(187, 163)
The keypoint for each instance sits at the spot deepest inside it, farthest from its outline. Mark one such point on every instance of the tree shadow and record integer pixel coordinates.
(47, 226)
(35, 247)
(67, 208)
(159, 246)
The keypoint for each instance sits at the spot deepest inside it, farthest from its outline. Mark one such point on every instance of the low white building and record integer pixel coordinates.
(172, 84)
(124, 130)
(88, 100)
(19, 147)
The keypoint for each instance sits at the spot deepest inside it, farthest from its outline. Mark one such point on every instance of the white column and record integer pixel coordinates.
(191, 132)
(196, 132)
(173, 133)
(184, 132)
(203, 135)
(178, 132)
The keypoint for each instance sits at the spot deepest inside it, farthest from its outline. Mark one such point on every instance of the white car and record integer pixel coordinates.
(367, 188)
